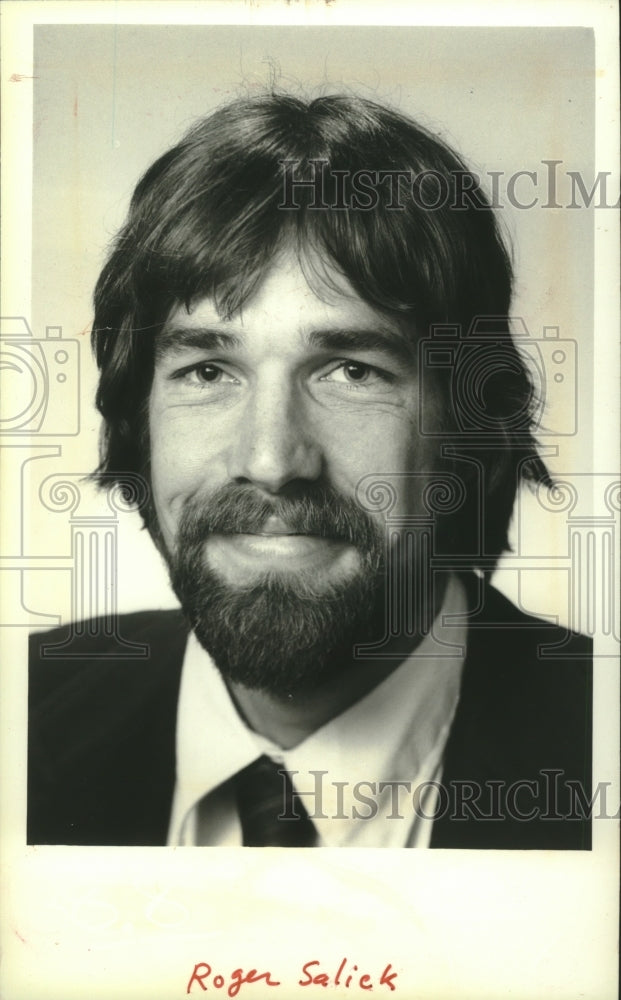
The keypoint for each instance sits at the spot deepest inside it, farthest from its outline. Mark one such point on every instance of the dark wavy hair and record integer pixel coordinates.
(207, 219)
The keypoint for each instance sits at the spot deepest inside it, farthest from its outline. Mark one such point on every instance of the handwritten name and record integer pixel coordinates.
(347, 975)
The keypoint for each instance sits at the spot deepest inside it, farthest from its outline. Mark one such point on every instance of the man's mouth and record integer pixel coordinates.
(275, 527)
(275, 546)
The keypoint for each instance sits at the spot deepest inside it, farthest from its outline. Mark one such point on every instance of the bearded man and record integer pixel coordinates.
(305, 350)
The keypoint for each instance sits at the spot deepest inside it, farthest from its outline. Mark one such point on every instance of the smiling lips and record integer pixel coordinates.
(277, 540)
(276, 545)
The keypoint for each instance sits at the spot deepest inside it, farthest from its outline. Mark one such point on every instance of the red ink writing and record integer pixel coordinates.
(238, 978)
(346, 976)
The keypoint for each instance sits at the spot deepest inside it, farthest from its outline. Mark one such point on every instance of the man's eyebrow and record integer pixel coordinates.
(173, 339)
(344, 339)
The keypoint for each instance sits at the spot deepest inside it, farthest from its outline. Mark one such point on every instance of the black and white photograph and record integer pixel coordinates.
(311, 494)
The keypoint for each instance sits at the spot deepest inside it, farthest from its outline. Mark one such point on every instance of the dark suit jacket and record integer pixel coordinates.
(101, 767)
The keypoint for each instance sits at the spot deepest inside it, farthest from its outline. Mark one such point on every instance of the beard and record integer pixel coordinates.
(283, 633)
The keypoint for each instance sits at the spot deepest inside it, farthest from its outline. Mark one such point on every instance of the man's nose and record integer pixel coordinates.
(275, 443)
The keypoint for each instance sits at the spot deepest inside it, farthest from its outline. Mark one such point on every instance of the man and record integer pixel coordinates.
(304, 346)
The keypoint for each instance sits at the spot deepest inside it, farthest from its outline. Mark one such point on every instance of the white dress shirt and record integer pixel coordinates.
(395, 733)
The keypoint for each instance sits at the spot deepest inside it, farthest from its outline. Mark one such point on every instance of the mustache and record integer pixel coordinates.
(319, 510)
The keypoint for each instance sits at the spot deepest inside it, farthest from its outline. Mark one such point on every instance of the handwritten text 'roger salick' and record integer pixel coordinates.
(204, 978)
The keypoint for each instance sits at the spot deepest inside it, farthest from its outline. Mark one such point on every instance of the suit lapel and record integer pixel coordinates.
(102, 753)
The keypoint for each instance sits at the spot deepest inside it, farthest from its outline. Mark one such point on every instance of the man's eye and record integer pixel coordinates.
(208, 373)
(354, 373)
(204, 373)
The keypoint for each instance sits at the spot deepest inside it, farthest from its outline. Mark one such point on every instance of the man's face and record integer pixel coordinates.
(294, 399)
